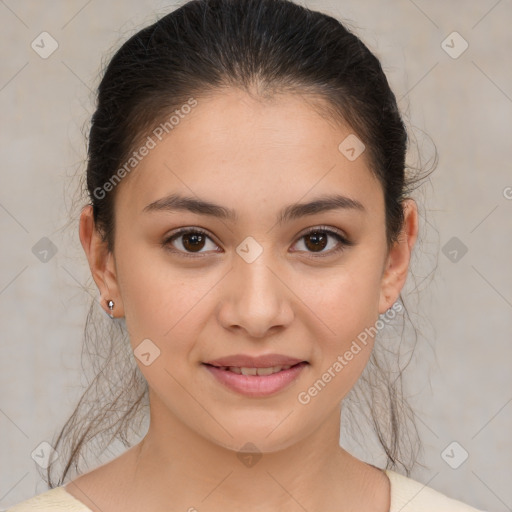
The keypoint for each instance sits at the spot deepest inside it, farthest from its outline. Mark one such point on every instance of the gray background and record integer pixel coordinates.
(462, 379)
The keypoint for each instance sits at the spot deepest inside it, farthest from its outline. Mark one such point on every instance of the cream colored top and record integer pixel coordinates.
(407, 495)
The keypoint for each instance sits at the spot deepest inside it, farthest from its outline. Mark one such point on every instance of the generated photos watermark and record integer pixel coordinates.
(137, 156)
(304, 397)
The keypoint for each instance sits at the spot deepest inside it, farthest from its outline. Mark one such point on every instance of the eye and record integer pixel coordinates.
(193, 240)
(316, 239)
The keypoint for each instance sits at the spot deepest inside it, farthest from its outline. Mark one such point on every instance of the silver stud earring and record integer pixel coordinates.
(111, 307)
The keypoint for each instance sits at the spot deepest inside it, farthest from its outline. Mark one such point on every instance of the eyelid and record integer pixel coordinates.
(343, 241)
(330, 230)
(166, 243)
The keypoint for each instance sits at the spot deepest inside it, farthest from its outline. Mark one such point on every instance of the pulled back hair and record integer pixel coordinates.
(264, 47)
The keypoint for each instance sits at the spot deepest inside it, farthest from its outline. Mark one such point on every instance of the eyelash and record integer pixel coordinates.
(166, 244)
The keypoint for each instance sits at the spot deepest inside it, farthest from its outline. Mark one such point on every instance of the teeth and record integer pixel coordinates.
(256, 371)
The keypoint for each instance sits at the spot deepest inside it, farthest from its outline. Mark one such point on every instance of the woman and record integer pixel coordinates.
(250, 225)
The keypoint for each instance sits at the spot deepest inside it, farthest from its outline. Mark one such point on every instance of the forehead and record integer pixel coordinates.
(250, 154)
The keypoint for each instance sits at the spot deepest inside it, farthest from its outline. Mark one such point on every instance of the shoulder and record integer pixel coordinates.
(408, 495)
(54, 499)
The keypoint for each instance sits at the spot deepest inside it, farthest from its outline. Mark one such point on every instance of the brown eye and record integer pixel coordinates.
(317, 239)
(192, 242)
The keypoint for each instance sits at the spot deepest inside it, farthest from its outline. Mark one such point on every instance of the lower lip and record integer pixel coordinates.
(256, 385)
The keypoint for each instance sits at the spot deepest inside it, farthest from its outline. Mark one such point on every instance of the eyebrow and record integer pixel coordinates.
(176, 202)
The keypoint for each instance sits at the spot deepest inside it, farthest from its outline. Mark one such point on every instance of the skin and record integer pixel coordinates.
(255, 157)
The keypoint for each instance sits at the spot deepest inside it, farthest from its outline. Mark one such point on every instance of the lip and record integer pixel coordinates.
(247, 361)
(256, 385)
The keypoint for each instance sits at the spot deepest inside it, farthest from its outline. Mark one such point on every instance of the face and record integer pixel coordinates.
(298, 285)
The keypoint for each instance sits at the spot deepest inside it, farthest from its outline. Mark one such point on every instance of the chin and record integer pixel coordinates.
(263, 437)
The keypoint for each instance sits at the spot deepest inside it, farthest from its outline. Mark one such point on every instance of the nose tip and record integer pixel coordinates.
(257, 301)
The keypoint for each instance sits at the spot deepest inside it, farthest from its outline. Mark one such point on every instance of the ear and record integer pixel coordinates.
(397, 262)
(101, 262)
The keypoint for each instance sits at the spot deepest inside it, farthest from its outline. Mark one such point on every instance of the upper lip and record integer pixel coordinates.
(263, 361)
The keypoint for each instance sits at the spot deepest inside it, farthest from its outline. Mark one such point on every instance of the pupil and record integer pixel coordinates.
(319, 238)
(194, 240)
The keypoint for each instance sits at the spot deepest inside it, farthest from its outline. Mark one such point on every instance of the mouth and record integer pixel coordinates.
(246, 370)
(256, 379)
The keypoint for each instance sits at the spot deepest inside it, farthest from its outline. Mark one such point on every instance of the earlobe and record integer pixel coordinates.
(397, 262)
(101, 263)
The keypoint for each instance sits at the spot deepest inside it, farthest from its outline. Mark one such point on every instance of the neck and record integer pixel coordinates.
(173, 464)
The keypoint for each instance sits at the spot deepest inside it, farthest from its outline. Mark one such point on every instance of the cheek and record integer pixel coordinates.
(345, 309)
(160, 302)
(348, 300)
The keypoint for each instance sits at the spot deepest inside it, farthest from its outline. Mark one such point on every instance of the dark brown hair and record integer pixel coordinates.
(264, 47)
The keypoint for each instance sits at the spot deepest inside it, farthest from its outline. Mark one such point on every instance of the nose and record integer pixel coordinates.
(257, 298)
